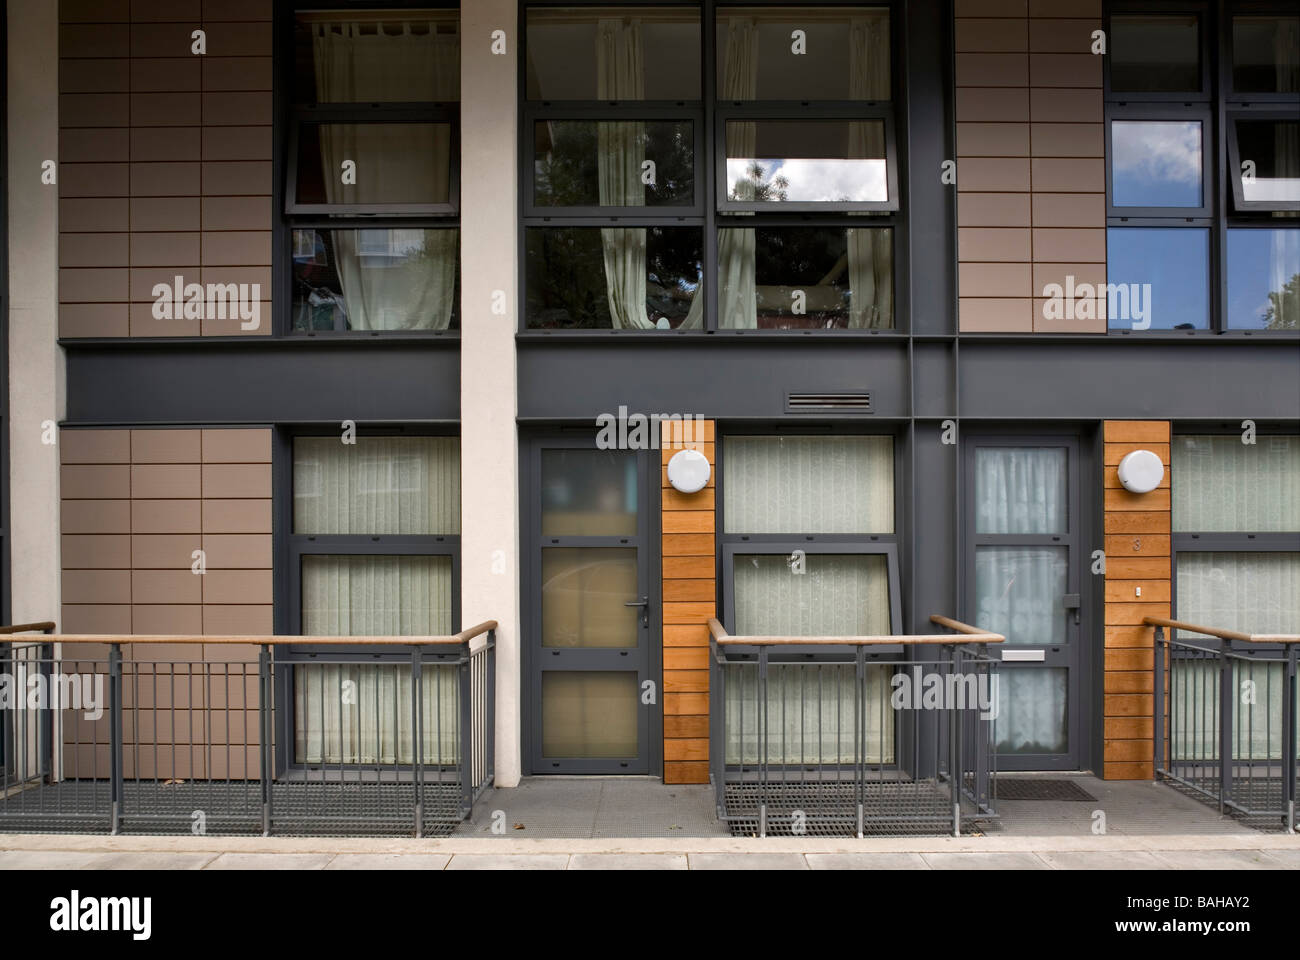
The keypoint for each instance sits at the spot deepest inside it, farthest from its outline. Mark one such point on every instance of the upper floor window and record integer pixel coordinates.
(639, 216)
(1200, 247)
(372, 176)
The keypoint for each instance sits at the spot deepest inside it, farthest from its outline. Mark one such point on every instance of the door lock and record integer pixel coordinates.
(644, 604)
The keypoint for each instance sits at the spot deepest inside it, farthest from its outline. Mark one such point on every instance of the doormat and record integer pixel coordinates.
(1036, 789)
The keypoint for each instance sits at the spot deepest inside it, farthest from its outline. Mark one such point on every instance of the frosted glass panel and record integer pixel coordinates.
(1222, 485)
(588, 493)
(810, 714)
(583, 592)
(373, 596)
(806, 485)
(1251, 592)
(351, 596)
(1032, 709)
(589, 714)
(379, 485)
(1020, 591)
(1021, 490)
(845, 595)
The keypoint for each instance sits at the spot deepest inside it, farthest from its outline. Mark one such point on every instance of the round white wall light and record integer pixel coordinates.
(1141, 471)
(688, 471)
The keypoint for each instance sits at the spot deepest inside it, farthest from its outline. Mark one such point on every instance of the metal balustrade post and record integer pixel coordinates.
(115, 745)
(45, 750)
(417, 741)
(266, 727)
(954, 747)
(762, 742)
(1158, 711)
(717, 729)
(859, 736)
(1227, 700)
(1289, 744)
(490, 710)
(466, 708)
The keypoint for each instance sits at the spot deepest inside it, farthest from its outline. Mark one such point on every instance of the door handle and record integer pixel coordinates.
(1071, 602)
(644, 604)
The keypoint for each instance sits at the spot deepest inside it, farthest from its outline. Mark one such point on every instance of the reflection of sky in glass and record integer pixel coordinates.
(809, 181)
(1261, 262)
(1155, 163)
(1175, 262)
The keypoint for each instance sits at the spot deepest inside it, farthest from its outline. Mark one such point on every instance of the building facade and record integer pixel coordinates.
(386, 319)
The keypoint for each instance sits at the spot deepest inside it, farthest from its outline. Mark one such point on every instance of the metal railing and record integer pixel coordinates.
(1225, 717)
(215, 735)
(853, 735)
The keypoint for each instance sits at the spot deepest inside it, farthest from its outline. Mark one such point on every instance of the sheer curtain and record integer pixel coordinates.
(810, 706)
(1223, 485)
(620, 75)
(379, 486)
(408, 286)
(1020, 589)
(738, 308)
(870, 251)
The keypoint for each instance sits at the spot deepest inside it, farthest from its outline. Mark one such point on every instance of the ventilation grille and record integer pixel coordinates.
(822, 402)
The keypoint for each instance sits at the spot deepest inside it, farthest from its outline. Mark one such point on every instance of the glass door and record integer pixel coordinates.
(590, 639)
(1023, 582)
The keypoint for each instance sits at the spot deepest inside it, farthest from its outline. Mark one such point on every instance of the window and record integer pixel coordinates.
(1236, 521)
(1236, 516)
(372, 191)
(1204, 248)
(808, 549)
(638, 217)
(374, 551)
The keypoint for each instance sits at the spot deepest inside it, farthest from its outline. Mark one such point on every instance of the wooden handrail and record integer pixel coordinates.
(26, 628)
(464, 636)
(1222, 634)
(968, 634)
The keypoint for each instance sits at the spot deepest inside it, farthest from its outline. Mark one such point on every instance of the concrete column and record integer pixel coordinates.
(36, 386)
(488, 395)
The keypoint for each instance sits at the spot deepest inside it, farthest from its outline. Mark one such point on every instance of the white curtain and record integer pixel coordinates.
(1247, 591)
(870, 252)
(1032, 711)
(1021, 490)
(410, 286)
(808, 485)
(1221, 485)
(377, 486)
(620, 75)
(738, 304)
(810, 706)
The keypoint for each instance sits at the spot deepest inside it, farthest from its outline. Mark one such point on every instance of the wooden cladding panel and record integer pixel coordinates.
(1138, 584)
(689, 599)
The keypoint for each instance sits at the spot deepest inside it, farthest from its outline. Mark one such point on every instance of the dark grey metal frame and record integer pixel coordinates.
(289, 549)
(1075, 655)
(1268, 111)
(535, 660)
(1177, 216)
(4, 327)
(291, 216)
(629, 111)
(1215, 22)
(1198, 8)
(760, 111)
(713, 217)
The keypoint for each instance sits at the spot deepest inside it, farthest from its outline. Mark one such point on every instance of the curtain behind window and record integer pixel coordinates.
(386, 62)
(870, 253)
(803, 485)
(1221, 485)
(377, 486)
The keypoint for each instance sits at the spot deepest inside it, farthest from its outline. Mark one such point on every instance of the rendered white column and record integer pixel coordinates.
(489, 188)
(36, 374)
